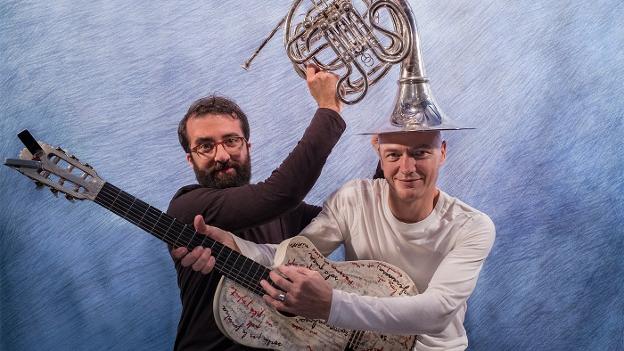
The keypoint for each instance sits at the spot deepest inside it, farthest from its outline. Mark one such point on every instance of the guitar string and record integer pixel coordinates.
(250, 282)
(122, 197)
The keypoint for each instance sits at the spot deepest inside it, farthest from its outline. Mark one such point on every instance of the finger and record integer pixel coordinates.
(199, 224)
(202, 260)
(179, 252)
(311, 70)
(302, 270)
(271, 296)
(326, 75)
(269, 289)
(289, 272)
(294, 273)
(192, 256)
(208, 230)
(278, 305)
(280, 280)
(210, 266)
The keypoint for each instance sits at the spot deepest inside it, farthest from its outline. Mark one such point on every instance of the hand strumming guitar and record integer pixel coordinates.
(305, 293)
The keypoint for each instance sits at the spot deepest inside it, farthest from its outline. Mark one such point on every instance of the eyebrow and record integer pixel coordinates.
(421, 146)
(202, 140)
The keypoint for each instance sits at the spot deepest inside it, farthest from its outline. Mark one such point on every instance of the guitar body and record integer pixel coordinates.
(245, 318)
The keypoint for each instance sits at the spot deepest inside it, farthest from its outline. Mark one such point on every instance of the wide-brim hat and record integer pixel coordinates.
(421, 116)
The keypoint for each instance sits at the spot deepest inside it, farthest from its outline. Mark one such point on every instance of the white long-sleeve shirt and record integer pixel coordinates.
(443, 254)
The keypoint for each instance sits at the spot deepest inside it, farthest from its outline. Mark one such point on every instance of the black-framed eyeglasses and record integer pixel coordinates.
(232, 145)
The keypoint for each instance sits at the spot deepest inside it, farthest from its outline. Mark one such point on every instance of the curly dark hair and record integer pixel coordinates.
(213, 104)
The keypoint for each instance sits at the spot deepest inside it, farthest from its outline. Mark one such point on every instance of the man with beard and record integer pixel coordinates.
(214, 133)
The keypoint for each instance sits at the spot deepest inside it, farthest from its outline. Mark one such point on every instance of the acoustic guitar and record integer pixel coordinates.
(242, 314)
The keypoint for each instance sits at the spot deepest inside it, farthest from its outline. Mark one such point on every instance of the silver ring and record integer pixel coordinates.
(281, 297)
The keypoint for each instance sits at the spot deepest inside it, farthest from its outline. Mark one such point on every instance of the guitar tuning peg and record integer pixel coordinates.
(38, 184)
(54, 191)
(88, 166)
(69, 197)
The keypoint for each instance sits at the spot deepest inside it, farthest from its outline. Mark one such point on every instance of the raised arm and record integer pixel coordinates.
(237, 208)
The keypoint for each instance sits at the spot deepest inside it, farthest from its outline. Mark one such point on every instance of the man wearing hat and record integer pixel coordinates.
(403, 219)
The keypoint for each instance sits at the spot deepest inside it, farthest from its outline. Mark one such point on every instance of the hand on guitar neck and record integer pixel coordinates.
(200, 259)
(296, 290)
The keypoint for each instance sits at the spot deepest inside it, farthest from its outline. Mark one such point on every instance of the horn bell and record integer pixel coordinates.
(415, 108)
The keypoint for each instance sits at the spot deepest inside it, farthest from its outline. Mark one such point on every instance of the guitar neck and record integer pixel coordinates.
(228, 262)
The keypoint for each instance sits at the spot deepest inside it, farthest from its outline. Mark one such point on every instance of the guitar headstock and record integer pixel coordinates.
(56, 169)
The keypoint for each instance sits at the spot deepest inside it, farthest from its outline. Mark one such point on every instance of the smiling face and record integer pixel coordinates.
(226, 168)
(411, 163)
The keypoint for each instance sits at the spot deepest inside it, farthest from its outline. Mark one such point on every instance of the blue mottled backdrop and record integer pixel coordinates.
(109, 80)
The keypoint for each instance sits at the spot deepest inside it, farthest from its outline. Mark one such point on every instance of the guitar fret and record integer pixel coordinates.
(192, 237)
(129, 207)
(156, 222)
(256, 268)
(233, 264)
(122, 204)
(153, 230)
(230, 252)
(255, 277)
(178, 237)
(189, 234)
(212, 243)
(123, 200)
(148, 207)
(148, 218)
(167, 231)
(218, 255)
(115, 199)
(139, 214)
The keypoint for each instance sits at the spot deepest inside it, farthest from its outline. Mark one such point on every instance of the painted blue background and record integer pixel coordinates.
(110, 80)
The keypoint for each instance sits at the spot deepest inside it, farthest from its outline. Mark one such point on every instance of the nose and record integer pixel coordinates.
(408, 164)
(220, 154)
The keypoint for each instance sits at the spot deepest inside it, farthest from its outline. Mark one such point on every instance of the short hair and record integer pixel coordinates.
(208, 105)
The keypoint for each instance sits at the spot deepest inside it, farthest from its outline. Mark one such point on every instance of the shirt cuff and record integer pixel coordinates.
(337, 303)
(261, 253)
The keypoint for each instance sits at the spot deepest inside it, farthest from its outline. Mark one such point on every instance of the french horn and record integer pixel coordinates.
(360, 41)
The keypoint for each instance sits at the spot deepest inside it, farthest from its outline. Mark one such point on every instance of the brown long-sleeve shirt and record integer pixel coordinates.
(266, 212)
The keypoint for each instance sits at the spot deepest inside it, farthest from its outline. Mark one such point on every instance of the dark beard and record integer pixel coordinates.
(211, 179)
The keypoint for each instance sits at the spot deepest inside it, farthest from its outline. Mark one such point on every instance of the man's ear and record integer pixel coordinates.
(189, 160)
(443, 152)
(375, 141)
